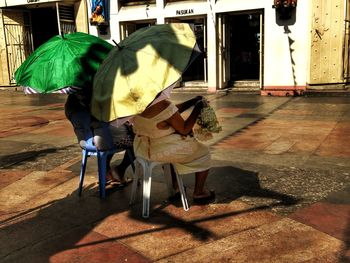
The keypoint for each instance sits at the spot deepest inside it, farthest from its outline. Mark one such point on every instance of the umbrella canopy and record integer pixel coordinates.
(67, 60)
(141, 66)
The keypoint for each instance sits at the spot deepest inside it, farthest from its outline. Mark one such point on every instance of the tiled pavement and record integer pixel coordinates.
(281, 172)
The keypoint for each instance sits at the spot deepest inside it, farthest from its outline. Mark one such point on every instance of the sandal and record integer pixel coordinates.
(126, 181)
(110, 179)
(205, 199)
(123, 182)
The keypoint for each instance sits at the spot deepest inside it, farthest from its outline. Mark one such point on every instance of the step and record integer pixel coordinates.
(245, 85)
(327, 92)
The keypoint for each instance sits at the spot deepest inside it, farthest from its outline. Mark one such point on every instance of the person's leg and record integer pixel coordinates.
(119, 170)
(200, 194)
(173, 179)
(199, 183)
(122, 138)
(109, 175)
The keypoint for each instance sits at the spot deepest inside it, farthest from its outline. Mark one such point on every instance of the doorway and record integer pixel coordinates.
(127, 28)
(197, 71)
(245, 47)
(44, 25)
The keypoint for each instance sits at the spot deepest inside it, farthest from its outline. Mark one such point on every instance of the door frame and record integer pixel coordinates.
(223, 50)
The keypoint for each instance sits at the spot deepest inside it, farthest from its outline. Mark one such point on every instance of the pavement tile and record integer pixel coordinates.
(231, 110)
(171, 230)
(74, 160)
(17, 131)
(242, 142)
(94, 247)
(8, 177)
(34, 184)
(333, 146)
(280, 241)
(26, 229)
(294, 112)
(305, 146)
(279, 146)
(79, 245)
(330, 218)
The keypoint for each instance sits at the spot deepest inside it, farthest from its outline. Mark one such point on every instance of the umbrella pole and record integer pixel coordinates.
(116, 44)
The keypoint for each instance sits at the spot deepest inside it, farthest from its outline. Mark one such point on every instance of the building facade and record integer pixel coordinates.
(26, 24)
(280, 47)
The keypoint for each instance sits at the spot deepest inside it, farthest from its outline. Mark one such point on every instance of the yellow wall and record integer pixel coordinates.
(81, 16)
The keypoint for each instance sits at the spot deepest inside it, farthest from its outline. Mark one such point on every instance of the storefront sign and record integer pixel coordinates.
(184, 12)
(8, 3)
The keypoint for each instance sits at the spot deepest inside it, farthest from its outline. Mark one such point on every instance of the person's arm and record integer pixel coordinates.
(184, 127)
(188, 104)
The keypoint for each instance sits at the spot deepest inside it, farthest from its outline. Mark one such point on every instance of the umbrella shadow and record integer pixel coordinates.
(231, 183)
(38, 234)
(66, 224)
(92, 60)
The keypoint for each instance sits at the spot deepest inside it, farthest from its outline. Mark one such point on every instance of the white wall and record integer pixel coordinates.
(278, 53)
(278, 67)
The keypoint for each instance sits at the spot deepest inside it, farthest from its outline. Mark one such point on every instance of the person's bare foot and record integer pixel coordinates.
(110, 179)
(120, 176)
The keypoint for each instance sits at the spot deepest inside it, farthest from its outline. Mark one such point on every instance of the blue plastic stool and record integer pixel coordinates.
(91, 150)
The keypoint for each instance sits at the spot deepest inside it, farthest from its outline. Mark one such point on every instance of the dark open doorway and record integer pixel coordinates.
(244, 47)
(44, 25)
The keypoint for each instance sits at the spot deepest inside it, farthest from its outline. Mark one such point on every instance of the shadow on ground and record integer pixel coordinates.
(42, 232)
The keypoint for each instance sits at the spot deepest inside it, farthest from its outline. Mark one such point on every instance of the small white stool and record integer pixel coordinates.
(147, 167)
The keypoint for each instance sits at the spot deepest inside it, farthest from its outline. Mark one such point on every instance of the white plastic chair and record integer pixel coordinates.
(147, 167)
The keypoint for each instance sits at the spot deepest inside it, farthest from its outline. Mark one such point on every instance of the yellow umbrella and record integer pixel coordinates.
(141, 66)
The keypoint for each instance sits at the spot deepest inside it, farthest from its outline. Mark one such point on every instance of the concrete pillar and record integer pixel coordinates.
(211, 48)
(160, 11)
(114, 21)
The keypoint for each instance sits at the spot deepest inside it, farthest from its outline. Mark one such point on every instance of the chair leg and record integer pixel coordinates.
(147, 168)
(82, 171)
(147, 180)
(182, 192)
(102, 170)
(136, 175)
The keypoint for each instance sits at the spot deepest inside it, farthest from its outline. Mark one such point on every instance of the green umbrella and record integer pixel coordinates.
(67, 60)
(141, 66)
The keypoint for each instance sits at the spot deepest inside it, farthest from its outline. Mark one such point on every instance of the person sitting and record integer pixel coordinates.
(77, 111)
(161, 134)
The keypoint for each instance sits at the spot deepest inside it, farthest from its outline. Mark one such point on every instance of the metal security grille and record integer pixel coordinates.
(18, 39)
(67, 19)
